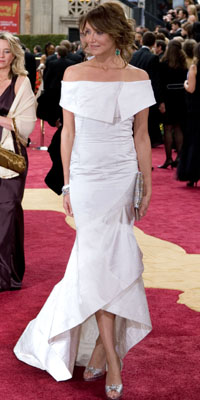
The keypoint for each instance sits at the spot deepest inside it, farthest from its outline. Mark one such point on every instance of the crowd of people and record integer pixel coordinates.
(168, 55)
(176, 45)
(84, 89)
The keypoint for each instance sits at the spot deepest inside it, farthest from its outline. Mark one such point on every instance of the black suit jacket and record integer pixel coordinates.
(71, 57)
(74, 57)
(30, 65)
(48, 102)
(55, 72)
(148, 61)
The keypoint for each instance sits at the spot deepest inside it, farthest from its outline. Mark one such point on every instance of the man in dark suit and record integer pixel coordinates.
(176, 29)
(72, 57)
(145, 59)
(160, 47)
(57, 68)
(30, 65)
(76, 58)
(182, 15)
(52, 84)
(51, 95)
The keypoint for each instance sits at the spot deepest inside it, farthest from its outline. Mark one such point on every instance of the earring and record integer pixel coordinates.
(117, 52)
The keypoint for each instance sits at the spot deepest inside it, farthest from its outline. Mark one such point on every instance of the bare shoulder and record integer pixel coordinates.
(19, 81)
(75, 72)
(136, 74)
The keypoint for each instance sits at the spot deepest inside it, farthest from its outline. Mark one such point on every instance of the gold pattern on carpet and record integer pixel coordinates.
(167, 265)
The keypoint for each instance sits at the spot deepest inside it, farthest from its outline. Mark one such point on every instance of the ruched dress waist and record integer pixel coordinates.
(103, 147)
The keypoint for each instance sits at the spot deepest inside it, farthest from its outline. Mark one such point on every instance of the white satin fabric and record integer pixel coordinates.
(105, 267)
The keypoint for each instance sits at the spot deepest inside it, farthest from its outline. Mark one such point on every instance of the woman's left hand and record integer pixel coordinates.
(144, 205)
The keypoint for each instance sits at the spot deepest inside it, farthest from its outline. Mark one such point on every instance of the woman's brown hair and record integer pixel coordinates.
(111, 19)
(174, 55)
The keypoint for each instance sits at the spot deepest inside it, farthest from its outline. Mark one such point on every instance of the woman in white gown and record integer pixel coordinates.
(99, 310)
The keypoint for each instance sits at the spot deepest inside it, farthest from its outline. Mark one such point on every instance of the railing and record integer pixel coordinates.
(142, 16)
(151, 20)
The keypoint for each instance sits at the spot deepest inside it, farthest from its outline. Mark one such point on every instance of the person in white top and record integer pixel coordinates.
(99, 310)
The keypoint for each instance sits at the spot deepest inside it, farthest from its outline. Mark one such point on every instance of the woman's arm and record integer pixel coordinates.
(143, 149)
(6, 122)
(67, 140)
(190, 83)
(25, 110)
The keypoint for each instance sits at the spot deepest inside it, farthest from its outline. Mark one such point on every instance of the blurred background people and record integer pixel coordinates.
(186, 30)
(192, 12)
(188, 47)
(159, 48)
(189, 165)
(175, 28)
(173, 74)
(145, 59)
(37, 50)
(182, 15)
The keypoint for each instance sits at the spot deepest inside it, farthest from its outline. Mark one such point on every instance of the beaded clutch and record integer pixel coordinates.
(138, 194)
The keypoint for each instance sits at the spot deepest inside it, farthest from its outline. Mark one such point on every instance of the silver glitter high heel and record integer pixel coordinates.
(115, 388)
(97, 373)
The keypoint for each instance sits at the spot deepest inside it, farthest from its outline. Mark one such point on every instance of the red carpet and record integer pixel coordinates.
(164, 366)
(39, 160)
(174, 212)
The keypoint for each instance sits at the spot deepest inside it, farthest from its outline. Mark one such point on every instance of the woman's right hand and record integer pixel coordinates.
(67, 205)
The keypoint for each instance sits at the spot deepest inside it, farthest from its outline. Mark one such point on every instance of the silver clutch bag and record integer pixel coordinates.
(138, 194)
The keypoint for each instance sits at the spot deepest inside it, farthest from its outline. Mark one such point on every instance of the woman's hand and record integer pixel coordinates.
(144, 205)
(162, 108)
(186, 84)
(67, 205)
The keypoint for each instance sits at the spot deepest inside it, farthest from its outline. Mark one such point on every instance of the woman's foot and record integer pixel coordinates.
(96, 368)
(114, 387)
(93, 374)
(176, 162)
(191, 184)
(169, 162)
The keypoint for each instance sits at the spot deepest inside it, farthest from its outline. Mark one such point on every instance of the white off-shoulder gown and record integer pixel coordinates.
(105, 267)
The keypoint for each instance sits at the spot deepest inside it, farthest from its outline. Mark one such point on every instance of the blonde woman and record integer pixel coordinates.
(192, 13)
(16, 101)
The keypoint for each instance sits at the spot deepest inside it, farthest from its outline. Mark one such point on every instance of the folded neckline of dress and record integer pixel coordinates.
(86, 81)
(78, 97)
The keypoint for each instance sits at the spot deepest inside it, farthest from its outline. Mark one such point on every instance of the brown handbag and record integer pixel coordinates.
(9, 159)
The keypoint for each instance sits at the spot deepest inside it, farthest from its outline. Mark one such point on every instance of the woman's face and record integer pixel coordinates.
(183, 32)
(51, 49)
(6, 57)
(98, 43)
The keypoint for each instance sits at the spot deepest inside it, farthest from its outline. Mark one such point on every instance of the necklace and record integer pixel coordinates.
(106, 67)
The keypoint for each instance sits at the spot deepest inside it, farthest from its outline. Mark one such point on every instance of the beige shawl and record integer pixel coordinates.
(23, 109)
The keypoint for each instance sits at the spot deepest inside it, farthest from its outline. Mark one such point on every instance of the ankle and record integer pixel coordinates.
(113, 359)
